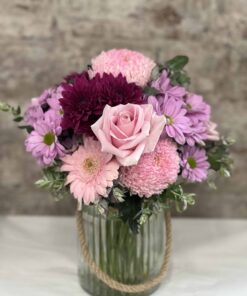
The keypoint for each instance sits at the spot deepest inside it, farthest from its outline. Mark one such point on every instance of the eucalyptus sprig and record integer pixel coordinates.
(16, 113)
(182, 199)
(219, 156)
(54, 181)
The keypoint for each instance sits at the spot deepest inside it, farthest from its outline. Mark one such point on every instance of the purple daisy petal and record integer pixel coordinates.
(194, 164)
(43, 141)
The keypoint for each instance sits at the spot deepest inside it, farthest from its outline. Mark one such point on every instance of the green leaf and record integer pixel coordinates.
(18, 119)
(130, 211)
(54, 181)
(28, 128)
(177, 63)
(118, 193)
(219, 156)
(182, 200)
(177, 74)
(156, 72)
(5, 107)
(16, 111)
(150, 91)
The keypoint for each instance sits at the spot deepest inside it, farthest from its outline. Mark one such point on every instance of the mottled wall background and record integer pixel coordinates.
(41, 41)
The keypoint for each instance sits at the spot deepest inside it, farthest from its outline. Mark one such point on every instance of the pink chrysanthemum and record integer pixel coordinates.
(132, 64)
(154, 171)
(91, 172)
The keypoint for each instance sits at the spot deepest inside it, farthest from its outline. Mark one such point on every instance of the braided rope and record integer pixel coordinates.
(110, 282)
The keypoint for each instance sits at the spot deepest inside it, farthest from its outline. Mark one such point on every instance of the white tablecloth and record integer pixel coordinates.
(38, 257)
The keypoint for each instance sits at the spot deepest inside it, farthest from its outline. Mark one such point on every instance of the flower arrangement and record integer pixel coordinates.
(124, 137)
(125, 134)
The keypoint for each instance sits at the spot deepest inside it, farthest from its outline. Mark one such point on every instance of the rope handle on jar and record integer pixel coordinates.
(110, 282)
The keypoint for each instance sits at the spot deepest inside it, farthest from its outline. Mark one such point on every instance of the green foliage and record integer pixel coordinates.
(150, 91)
(16, 113)
(219, 156)
(182, 200)
(8, 108)
(177, 63)
(28, 128)
(156, 71)
(54, 181)
(176, 72)
(130, 211)
(153, 206)
(136, 211)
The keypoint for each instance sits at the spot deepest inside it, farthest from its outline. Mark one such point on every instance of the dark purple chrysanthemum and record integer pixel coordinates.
(72, 76)
(84, 100)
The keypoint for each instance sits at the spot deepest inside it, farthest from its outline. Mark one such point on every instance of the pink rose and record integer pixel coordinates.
(128, 131)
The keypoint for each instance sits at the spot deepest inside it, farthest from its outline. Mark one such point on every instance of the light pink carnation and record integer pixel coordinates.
(128, 131)
(132, 64)
(154, 171)
(91, 172)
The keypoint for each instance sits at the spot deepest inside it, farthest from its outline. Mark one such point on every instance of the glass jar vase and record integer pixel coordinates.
(126, 257)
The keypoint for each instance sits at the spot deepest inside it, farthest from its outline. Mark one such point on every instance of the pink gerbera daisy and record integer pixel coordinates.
(154, 171)
(132, 64)
(91, 172)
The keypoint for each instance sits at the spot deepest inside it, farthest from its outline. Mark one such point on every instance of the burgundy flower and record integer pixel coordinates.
(84, 100)
(72, 76)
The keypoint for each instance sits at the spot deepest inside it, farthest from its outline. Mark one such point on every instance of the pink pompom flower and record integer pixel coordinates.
(132, 64)
(128, 131)
(91, 172)
(154, 172)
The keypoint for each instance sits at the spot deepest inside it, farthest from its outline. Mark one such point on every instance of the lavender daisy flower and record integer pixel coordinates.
(43, 141)
(194, 164)
(197, 134)
(53, 100)
(197, 109)
(177, 124)
(164, 86)
(34, 112)
(48, 100)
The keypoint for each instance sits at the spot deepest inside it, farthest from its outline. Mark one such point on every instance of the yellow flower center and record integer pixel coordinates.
(169, 119)
(49, 138)
(192, 162)
(90, 165)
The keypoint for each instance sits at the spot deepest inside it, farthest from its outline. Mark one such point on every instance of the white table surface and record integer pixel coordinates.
(38, 257)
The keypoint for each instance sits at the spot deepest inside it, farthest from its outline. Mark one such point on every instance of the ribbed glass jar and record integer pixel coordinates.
(126, 257)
